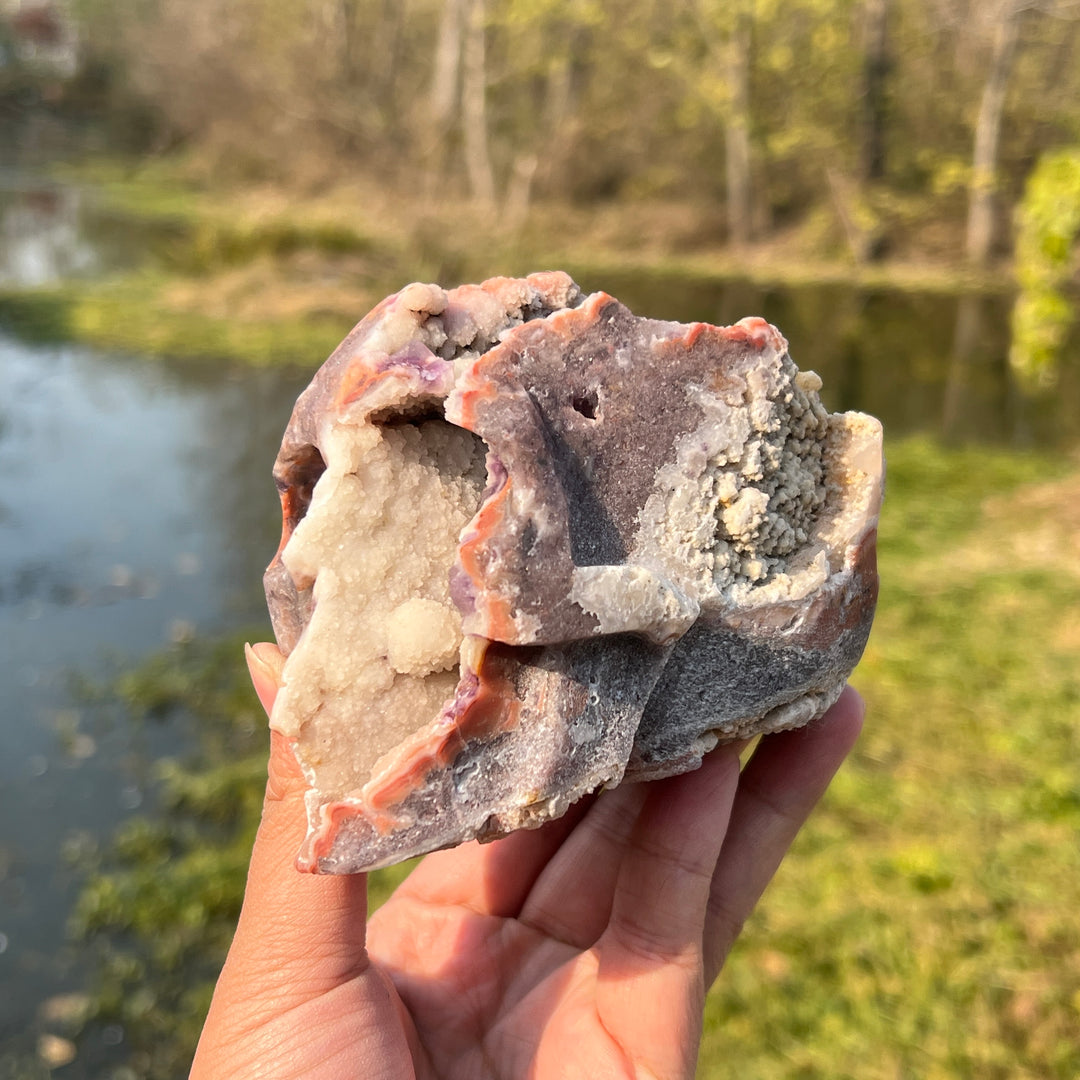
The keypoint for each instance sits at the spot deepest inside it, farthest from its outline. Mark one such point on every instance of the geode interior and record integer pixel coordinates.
(534, 545)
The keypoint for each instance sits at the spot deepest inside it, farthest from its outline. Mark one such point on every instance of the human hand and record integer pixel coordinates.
(581, 949)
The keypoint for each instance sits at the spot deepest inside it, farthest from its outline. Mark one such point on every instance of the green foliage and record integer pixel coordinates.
(134, 314)
(1046, 263)
(160, 911)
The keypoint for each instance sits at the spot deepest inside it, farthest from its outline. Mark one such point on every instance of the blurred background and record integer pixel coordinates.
(199, 198)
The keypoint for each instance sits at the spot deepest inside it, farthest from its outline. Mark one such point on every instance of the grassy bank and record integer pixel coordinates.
(150, 315)
(266, 276)
(924, 924)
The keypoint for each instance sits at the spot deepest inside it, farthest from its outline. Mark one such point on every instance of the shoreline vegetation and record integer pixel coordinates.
(262, 276)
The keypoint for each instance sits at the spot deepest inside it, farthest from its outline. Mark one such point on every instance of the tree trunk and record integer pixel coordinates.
(348, 42)
(474, 108)
(968, 331)
(386, 46)
(519, 190)
(737, 131)
(980, 223)
(443, 96)
(875, 71)
(545, 160)
(444, 82)
(558, 107)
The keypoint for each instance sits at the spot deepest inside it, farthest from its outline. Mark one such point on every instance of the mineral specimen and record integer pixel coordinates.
(534, 545)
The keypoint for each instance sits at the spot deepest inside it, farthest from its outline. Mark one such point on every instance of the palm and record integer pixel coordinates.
(526, 1002)
(507, 956)
(581, 949)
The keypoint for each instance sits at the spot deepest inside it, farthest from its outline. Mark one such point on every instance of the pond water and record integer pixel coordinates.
(52, 232)
(922, 362)
(136, 509)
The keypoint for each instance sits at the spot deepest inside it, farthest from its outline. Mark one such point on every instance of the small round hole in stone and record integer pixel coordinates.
(586, 403)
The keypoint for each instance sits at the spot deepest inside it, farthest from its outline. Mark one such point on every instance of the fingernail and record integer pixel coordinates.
(267, 655)
(254, 661)
(264, 674)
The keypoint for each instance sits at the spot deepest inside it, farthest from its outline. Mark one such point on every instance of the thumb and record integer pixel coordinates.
(300, 936)
(285, 779)
(294, 924)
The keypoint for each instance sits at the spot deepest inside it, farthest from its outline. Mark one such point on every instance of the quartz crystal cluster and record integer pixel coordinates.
(534, 545)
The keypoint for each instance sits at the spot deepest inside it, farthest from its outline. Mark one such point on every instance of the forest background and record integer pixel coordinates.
(759, 137)
(856, 129)
(784, 141)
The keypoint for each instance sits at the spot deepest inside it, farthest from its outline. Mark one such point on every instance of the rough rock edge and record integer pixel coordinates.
(440, 812)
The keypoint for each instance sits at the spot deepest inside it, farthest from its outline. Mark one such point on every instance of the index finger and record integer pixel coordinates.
(781, 784)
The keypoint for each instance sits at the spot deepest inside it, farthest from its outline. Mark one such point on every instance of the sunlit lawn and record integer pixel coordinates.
(926, 925)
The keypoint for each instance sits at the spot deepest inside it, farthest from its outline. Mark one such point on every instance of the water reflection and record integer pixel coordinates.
(42, 237)
(139, 512)
(922, 362)
(52, 233)
(977, 364)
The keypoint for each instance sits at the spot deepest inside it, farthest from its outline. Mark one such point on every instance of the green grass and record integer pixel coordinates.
(219, 227)
(924, 925)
